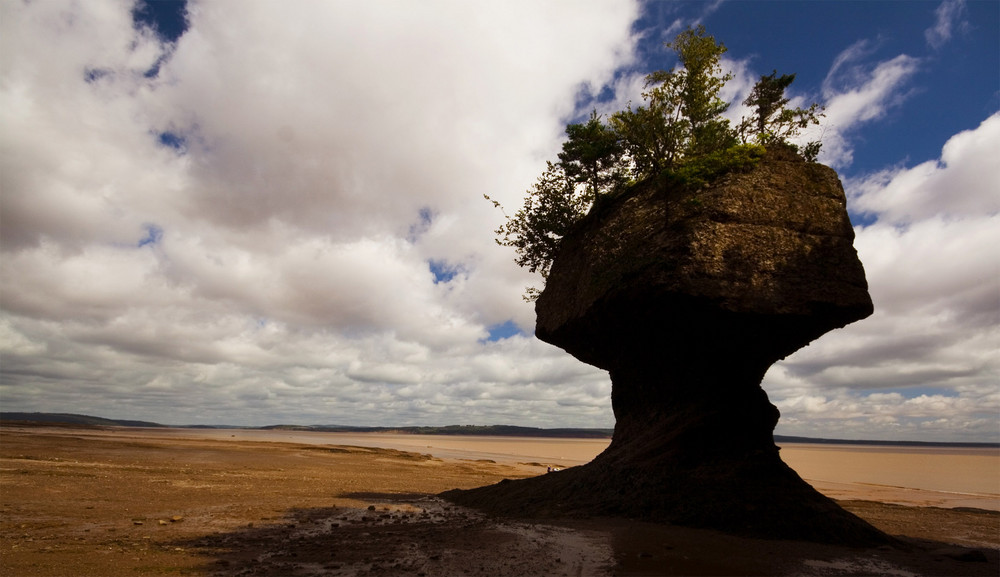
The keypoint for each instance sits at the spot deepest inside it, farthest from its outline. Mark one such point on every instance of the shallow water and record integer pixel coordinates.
(922, 476)
(926, 476)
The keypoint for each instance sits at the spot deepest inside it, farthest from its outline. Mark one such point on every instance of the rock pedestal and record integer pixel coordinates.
(686, 298)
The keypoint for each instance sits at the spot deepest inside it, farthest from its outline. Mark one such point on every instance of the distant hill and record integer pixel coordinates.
(456, 430)
(490, 430)
(484, 430)
(778, 439)
(72, 419)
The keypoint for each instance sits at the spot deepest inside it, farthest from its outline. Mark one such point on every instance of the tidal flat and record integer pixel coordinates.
(127, 501)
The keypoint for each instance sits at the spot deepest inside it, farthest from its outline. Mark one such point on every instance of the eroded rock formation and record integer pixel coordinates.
(687, 298)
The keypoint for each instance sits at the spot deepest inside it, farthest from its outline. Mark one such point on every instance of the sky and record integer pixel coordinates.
(275, 214)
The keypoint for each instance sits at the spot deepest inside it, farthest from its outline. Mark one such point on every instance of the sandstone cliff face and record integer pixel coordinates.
(687, 298)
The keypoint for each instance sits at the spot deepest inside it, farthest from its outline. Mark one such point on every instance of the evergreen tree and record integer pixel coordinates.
(772, 121)
(592, 157)
(700, 82)
(682, 118)
(678, 131)
(552, 206)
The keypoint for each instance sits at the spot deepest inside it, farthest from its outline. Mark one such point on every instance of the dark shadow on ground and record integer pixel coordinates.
(421, 535)
(409, 534)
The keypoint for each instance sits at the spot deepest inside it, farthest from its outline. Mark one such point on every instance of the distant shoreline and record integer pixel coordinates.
(863, 442)
(71, 419)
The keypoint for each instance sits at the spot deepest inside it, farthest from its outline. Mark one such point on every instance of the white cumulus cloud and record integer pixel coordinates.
(854, 93)
(934, 275)
(248, 235)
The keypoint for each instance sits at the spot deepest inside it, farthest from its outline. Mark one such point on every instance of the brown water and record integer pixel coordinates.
(927, 476)
(923, 476)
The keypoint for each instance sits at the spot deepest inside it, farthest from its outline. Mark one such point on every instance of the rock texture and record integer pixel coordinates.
(687, 298)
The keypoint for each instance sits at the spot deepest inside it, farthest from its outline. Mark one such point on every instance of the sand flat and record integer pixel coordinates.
(119, 501)
(917, 476)
(506, 450)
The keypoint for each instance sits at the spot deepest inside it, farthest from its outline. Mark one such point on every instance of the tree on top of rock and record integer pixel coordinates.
(592, 156)
(700, 81)
(678, 133)
(772, 121)
(682, 116)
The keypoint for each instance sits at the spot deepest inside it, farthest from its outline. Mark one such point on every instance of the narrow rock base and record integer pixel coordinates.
(760, 498)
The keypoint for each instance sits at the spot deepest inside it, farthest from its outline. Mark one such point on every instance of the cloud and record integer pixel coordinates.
(855, 93)
(78, 152)
(949, 16)
(265, 373)
(707, 9)
(963, 182)
(250, 224)
(738, 88)
(892, 416)
(927, 357)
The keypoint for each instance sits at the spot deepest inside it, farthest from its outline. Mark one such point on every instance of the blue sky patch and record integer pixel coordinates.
(503, 330)
(168, 18)
(153, 235)
(442, 271)
(173, 140)
(155, 69)
(91, 75)
(426, 216)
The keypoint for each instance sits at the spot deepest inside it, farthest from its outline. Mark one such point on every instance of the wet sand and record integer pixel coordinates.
(82, 501)
(916, 476)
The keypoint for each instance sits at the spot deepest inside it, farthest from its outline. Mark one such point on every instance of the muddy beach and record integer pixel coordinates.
(79, 501)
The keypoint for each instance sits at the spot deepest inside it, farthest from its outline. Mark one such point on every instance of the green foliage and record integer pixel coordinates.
(700, 82)
(810, 152)
(682, 113)
(701, 170)
(768, 98)
(592, 157)
(677, 133)
(772, 121)
(552, 206)
(650, 141)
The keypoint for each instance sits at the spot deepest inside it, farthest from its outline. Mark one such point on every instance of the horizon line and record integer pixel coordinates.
(90, 420)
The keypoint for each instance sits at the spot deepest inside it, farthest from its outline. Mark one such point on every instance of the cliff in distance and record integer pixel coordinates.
(687, 297)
